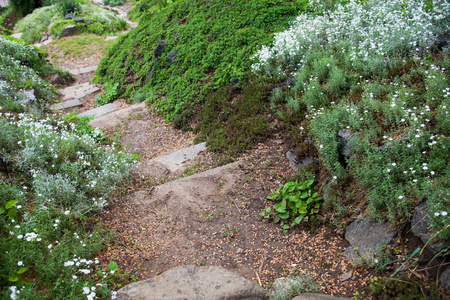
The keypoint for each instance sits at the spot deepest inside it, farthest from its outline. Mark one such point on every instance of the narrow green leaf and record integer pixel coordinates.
(22, 270)
(13, 278)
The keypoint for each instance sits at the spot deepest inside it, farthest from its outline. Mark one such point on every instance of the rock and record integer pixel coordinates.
(234, 82)
(69, 16)
(444, 279)
(289, 81)
(420, 228)
(171, 57)
(69, 30)
(366, 238)
(294, 160)
(240, 251)
(443, 42)
(345, 137)
(150, 75)
(159, 49)
(193, 283)
(58, 79)
(139, 137)
(78, 20)
(44, 38)
(345, 276)
(89, 22)
(312, 296)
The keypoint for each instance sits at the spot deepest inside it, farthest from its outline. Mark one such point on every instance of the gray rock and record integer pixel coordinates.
(67, 104)
(89, 22)
(44, 38)
(150, 75)
(139, 137)
(100, 111)
(366, 238)
(444, 279)
(159, 49)
(346, 276)
(69, 16)
(311, 296)
(443, 42)
(69, 30)
(78, 20)
(171, 57)
(193, 283)
(345, 137)
(295, 163)
(420, 228)
(58, 79)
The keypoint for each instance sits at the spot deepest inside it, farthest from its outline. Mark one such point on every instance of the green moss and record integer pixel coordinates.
(233, 122)
(214, 42)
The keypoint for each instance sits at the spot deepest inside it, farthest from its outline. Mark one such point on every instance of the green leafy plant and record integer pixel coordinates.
(110, 94)
(297, 203)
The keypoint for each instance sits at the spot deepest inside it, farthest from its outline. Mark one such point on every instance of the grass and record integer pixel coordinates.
(79, 46)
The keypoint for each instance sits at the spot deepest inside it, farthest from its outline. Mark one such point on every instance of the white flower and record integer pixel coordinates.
(394, 164)
(400, 197)
(19, 263)
(86, 290)
(49, 246)
(85, 271)
(388, 170)
(444, 213)
(432, 173)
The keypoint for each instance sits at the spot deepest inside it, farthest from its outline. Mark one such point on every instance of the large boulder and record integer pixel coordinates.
(366, 238)
(193, 283)
(69, 30)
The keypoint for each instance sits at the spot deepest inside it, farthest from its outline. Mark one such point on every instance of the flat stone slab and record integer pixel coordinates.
(312, 296)
(175, 162)
(83, 70)
(100, 111)
(193, 283)
(67, 104)
(17, 35)
(72, 91)
(117, 116)
(108, 38)
(88, 92)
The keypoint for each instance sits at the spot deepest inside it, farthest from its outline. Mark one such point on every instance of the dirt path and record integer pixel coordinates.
(222, 229)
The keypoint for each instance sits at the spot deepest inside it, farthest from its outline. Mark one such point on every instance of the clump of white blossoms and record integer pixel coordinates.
(371, 31)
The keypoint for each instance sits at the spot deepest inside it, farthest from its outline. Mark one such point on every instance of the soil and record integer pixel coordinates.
(228, 230)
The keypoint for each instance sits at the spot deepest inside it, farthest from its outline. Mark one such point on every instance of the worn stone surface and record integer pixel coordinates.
(69, 30)
(117, 116)
(72, 91)
(100, 111)
(69, 16)
(312, 296)
(366, 238)
(83, 70)
(17, 35)
(193, 283)
(78, 19)
(175, 162)
(67, 104)
(444, 279)
(295, 162)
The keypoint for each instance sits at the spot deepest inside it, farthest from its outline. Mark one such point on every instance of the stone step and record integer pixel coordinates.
(72, 91)
(174, 163)
(88, 92)
(66, 104)
(83, 70)
(100, 111)
(117, 116)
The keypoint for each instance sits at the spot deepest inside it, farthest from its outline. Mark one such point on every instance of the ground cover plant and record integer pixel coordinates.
(23, 67)
(372, 69)
(206, 45)
(55, 174)
(51, 20)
